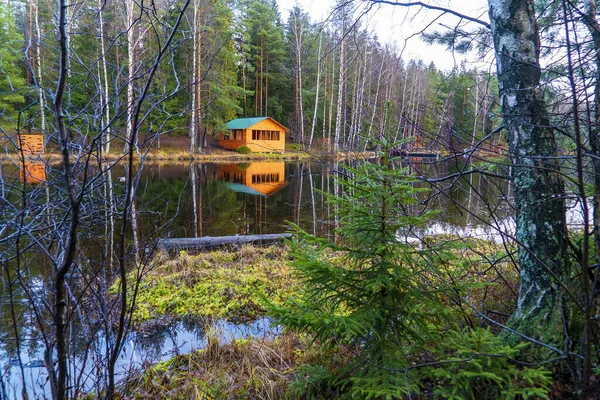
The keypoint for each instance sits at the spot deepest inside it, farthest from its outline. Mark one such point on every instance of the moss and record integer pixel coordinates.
(218, 284)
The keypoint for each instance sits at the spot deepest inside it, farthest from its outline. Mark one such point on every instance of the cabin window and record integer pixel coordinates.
(265, 178)
(235, 177)
(265, 135)
(235, 134)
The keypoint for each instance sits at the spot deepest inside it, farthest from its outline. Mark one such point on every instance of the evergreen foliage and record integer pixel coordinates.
(264, 49)
(250, 64)
(223, 94)
(11, 77)
(370, 293)
(481, 367)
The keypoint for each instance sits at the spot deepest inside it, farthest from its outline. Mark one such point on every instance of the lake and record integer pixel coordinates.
(261, 197)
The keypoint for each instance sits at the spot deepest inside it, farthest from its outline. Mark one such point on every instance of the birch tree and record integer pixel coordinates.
(104, 83)
(339, 130)
(297, 32)
(539, 189)
(316, 107)
(131, 20)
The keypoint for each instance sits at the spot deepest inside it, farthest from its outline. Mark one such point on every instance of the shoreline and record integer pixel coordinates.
(181, 157)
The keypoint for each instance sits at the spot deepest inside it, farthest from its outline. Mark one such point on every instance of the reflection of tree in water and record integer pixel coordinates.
(466, 199)
(161, 202)
(162, 340)
(224, 209)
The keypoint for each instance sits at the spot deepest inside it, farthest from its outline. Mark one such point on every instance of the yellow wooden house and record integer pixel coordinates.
(260, 134)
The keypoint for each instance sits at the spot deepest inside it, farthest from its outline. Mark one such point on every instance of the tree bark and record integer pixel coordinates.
(314, 121)
(195, 126)
(593, 26)
(130, 21)
(538, 187)
(341, 80)
(38, 45)
(105, 104)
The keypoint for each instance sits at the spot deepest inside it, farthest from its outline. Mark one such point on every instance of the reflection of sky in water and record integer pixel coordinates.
(496, 230)
(139, 350)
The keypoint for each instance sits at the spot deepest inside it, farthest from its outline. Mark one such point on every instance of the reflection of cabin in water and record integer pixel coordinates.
(259, 134)
(33, 172)
(257, 178)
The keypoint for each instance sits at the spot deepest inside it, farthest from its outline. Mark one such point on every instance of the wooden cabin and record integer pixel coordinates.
(31, 145)
(257, 178)
(260, 134)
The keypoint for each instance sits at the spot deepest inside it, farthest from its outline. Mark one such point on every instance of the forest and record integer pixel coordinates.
(380, 306)
(327, 81)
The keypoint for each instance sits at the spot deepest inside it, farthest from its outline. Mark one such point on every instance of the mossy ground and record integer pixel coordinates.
(218, 284)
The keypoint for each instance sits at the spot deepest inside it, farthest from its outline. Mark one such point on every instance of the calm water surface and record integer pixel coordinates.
(254, 198)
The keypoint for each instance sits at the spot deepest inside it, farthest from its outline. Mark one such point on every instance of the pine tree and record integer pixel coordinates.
(222, 97)
(264, 51)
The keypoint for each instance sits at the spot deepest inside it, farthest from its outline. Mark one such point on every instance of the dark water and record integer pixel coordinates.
(193, 200)
(255, 198)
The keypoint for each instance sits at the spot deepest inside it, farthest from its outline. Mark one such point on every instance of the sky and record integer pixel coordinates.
(400, 26)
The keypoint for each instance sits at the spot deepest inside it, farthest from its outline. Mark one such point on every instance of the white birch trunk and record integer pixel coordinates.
(473, 137)
(314, 121)
(130, 75)
(298, 43)
(330, 116)
(105, 106)
(341, 79)
(376, 96)
(40, 83)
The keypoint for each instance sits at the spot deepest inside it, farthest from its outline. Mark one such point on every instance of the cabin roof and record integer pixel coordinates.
(245, 123)
(240, 188)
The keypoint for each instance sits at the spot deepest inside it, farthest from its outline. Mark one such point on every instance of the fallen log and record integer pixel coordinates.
(210, 241)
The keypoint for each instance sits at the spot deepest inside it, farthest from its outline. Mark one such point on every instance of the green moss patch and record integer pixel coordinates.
(218, 284)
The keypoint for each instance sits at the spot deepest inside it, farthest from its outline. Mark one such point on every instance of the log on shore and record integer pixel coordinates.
(210, 241)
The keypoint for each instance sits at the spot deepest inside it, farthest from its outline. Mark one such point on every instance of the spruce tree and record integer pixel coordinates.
(370, 293)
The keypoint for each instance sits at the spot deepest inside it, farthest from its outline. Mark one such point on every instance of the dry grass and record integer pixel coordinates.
(261, 368)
